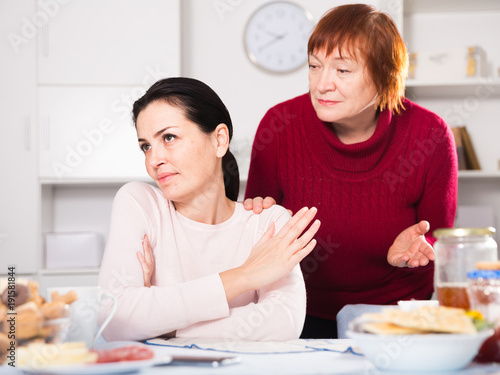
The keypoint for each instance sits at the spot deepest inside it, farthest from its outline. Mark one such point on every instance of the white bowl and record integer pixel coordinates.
(423, 352)
(415, 304)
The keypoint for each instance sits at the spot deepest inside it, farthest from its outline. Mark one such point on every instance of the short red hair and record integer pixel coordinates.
(360, 30)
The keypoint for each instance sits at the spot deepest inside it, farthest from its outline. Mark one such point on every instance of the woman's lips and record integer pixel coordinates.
(164, 177)
(327, 102)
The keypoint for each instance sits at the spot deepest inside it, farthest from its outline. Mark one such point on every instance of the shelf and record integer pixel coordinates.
(68, 271)
(105, 181)
(470, 175)
(433, 6)
(481, 87)
(92, 181)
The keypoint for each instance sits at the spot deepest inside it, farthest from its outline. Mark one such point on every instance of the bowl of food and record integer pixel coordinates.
(425, 339)
(35, 318)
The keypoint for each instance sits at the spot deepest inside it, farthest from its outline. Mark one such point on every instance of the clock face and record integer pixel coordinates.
(276, 36)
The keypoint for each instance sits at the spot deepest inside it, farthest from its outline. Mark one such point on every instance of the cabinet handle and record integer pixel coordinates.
(44, 39)
(27, 132)
(46, 132)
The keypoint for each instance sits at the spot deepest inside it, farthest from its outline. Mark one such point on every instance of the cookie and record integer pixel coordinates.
(4, 347)
(21, 295)
(67, 298)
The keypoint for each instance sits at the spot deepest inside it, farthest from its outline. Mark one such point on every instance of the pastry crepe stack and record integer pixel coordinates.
(39, 356)
(419, 321)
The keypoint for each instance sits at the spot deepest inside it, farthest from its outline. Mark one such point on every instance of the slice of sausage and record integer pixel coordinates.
(125, 353)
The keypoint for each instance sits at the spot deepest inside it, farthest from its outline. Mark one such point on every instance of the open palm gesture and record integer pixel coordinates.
(411, 249)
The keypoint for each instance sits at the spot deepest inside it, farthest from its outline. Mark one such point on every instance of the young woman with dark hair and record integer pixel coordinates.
(207, 267)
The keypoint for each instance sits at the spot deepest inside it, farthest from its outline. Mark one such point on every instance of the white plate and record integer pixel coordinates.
(100, 368)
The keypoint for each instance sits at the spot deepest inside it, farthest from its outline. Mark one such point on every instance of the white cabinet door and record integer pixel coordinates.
(19, 189)
(87, 133)
(109, 41)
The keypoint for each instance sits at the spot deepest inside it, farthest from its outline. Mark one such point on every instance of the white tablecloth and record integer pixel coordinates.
(323, 360)
(308, 357)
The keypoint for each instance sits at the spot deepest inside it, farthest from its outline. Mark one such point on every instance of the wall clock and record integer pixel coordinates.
(276, 36)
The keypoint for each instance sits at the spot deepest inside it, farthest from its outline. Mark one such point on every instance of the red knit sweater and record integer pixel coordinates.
(366, 194)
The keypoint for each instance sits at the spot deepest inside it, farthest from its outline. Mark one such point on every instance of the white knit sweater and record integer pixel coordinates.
(187, 295)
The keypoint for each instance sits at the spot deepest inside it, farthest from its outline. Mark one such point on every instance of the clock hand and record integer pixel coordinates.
(271, 33)
(272, 41)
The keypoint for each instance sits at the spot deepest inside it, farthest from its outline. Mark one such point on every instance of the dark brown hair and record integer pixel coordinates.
(361, 31)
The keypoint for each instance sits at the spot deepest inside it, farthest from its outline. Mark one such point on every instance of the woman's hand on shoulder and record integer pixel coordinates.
(147, 261)
(257, 204)
(273, 256)
(411, 249)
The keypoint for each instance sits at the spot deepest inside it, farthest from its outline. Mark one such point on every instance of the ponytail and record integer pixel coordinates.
(231, 176)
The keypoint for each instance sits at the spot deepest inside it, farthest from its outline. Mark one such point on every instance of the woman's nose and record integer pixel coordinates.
(326, 81)
(157, 156)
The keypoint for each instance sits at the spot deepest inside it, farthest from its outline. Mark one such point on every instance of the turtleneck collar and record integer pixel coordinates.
(356, 157)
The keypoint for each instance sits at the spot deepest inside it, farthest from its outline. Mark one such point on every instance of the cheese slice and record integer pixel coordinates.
(389, 329)
(40, 356)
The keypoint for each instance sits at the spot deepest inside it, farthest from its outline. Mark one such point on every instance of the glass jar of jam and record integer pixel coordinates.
(484, 296)
(457, 250)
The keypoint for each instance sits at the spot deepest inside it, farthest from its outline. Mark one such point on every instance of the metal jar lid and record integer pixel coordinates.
(484, 274)
(463, 232)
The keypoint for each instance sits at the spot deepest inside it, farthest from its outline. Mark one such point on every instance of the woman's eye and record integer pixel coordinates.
(145, 147)
(168, 137)
(343, 71)
(312, 66)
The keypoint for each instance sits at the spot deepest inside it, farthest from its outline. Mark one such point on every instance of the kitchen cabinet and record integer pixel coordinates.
(87, 133)
(72, 278)
(110, 42)
(76, 207)
(70, 73)
(95, 58)
(19, 191)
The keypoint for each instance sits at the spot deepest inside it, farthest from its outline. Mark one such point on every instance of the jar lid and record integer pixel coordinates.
(484, 274)
(463, 232)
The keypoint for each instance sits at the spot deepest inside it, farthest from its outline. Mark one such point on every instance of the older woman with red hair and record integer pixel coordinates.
(381, 170)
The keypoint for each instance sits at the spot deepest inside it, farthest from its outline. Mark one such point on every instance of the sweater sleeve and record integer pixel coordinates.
(148, 312)
(263, 172)
(278, 314)
(438, 204)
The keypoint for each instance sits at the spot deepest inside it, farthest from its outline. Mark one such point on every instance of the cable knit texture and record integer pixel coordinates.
(366, 194)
